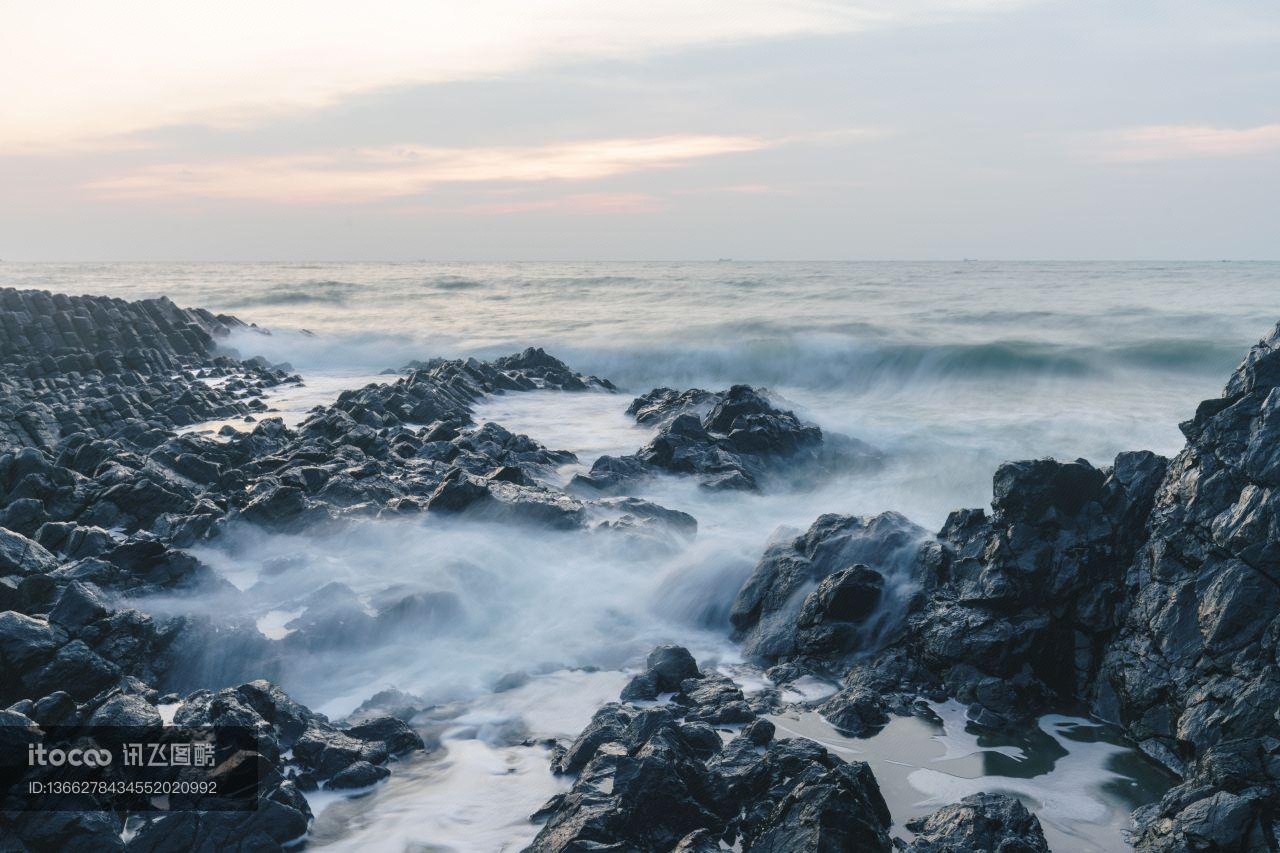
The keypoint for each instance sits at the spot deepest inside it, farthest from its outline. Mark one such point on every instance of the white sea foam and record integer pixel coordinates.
(948, 368)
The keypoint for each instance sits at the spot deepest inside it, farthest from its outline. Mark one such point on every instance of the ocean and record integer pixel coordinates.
(949, 368)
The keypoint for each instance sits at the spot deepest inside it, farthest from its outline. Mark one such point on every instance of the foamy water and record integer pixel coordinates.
(948, 368)
(952, 366)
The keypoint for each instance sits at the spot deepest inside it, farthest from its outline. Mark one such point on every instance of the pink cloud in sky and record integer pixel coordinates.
(1183, 141)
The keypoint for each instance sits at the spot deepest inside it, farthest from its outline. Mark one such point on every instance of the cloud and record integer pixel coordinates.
(1182, 142)
(372, 174)
(578, 203)
(85, 74)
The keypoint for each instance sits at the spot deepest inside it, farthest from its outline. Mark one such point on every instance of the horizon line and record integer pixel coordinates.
(702, 260)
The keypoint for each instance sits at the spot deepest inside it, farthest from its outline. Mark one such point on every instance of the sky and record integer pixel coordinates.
(656, 129)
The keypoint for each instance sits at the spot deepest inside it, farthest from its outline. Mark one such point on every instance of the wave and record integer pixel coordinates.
(829, 361)
(854, 358)
(322, 292)
(1180, 354)
(455, 282)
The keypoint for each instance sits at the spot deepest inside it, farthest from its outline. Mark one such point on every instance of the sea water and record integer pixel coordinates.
(949, 368)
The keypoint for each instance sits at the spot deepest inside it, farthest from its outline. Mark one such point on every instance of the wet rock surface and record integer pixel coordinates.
(991, 822)
(103, 367)
(660, 777)
(1146, 590)
(734, 439)
(99, 494)
(814, 592)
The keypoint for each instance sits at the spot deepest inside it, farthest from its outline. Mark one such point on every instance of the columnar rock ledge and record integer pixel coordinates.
(1144, 592)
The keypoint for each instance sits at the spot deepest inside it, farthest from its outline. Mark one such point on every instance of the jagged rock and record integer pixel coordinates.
(21, 556)
(855, 711)
(669, 666)
(56, 709)
(991, 822)
(397, 738)
(127, 711)
(730, 440)
(326, 751)
(76, 668)
(759, 732)
(98, 366)
(1194, 662)
(714, 699)
(766, 611)
(641, 687)
(74, 541)
(26, 642)
(360, 774)
(459, 493)
(663, 405)
(698, 841)
(831, 615)
(647, 781)
(644, 523)
(1227, 802)
(78, 605)
(72, 831)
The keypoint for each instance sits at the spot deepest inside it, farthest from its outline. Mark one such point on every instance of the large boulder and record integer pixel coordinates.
(986, 822)
(783, 610)
(22, 556)
(735, 439)
(659, 778)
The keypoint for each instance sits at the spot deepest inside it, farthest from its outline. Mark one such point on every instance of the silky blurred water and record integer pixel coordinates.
(953, 367)
(949, 368)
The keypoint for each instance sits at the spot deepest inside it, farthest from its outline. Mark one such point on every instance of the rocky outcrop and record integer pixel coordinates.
(731, 440)
(1023, 602)
(989, 822)
(820, 594)
(661, 778)
(1226, 802)
(88, 662)
(98, 494)
(102, 366)
(1193, 674)
(1148, 590)
(93, 387)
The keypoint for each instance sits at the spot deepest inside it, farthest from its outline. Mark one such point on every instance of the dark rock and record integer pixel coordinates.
(731, 440)
(992, 822)
(395, 736)
(21, 556)
(327, 752)
(127, 711)
(361, 774)
(714, 699)
(855, 711)
(509, 474)
(56, 709)
(759, 732)
(71, 831)
(766, 611)
(669, 666)
(26, 641)
(829, 619)
(78, 605)
(77, 669)
(647, 781)
(641, 687)
(459, 493)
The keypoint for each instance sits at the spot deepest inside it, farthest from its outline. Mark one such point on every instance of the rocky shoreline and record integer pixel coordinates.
(1145, 592)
